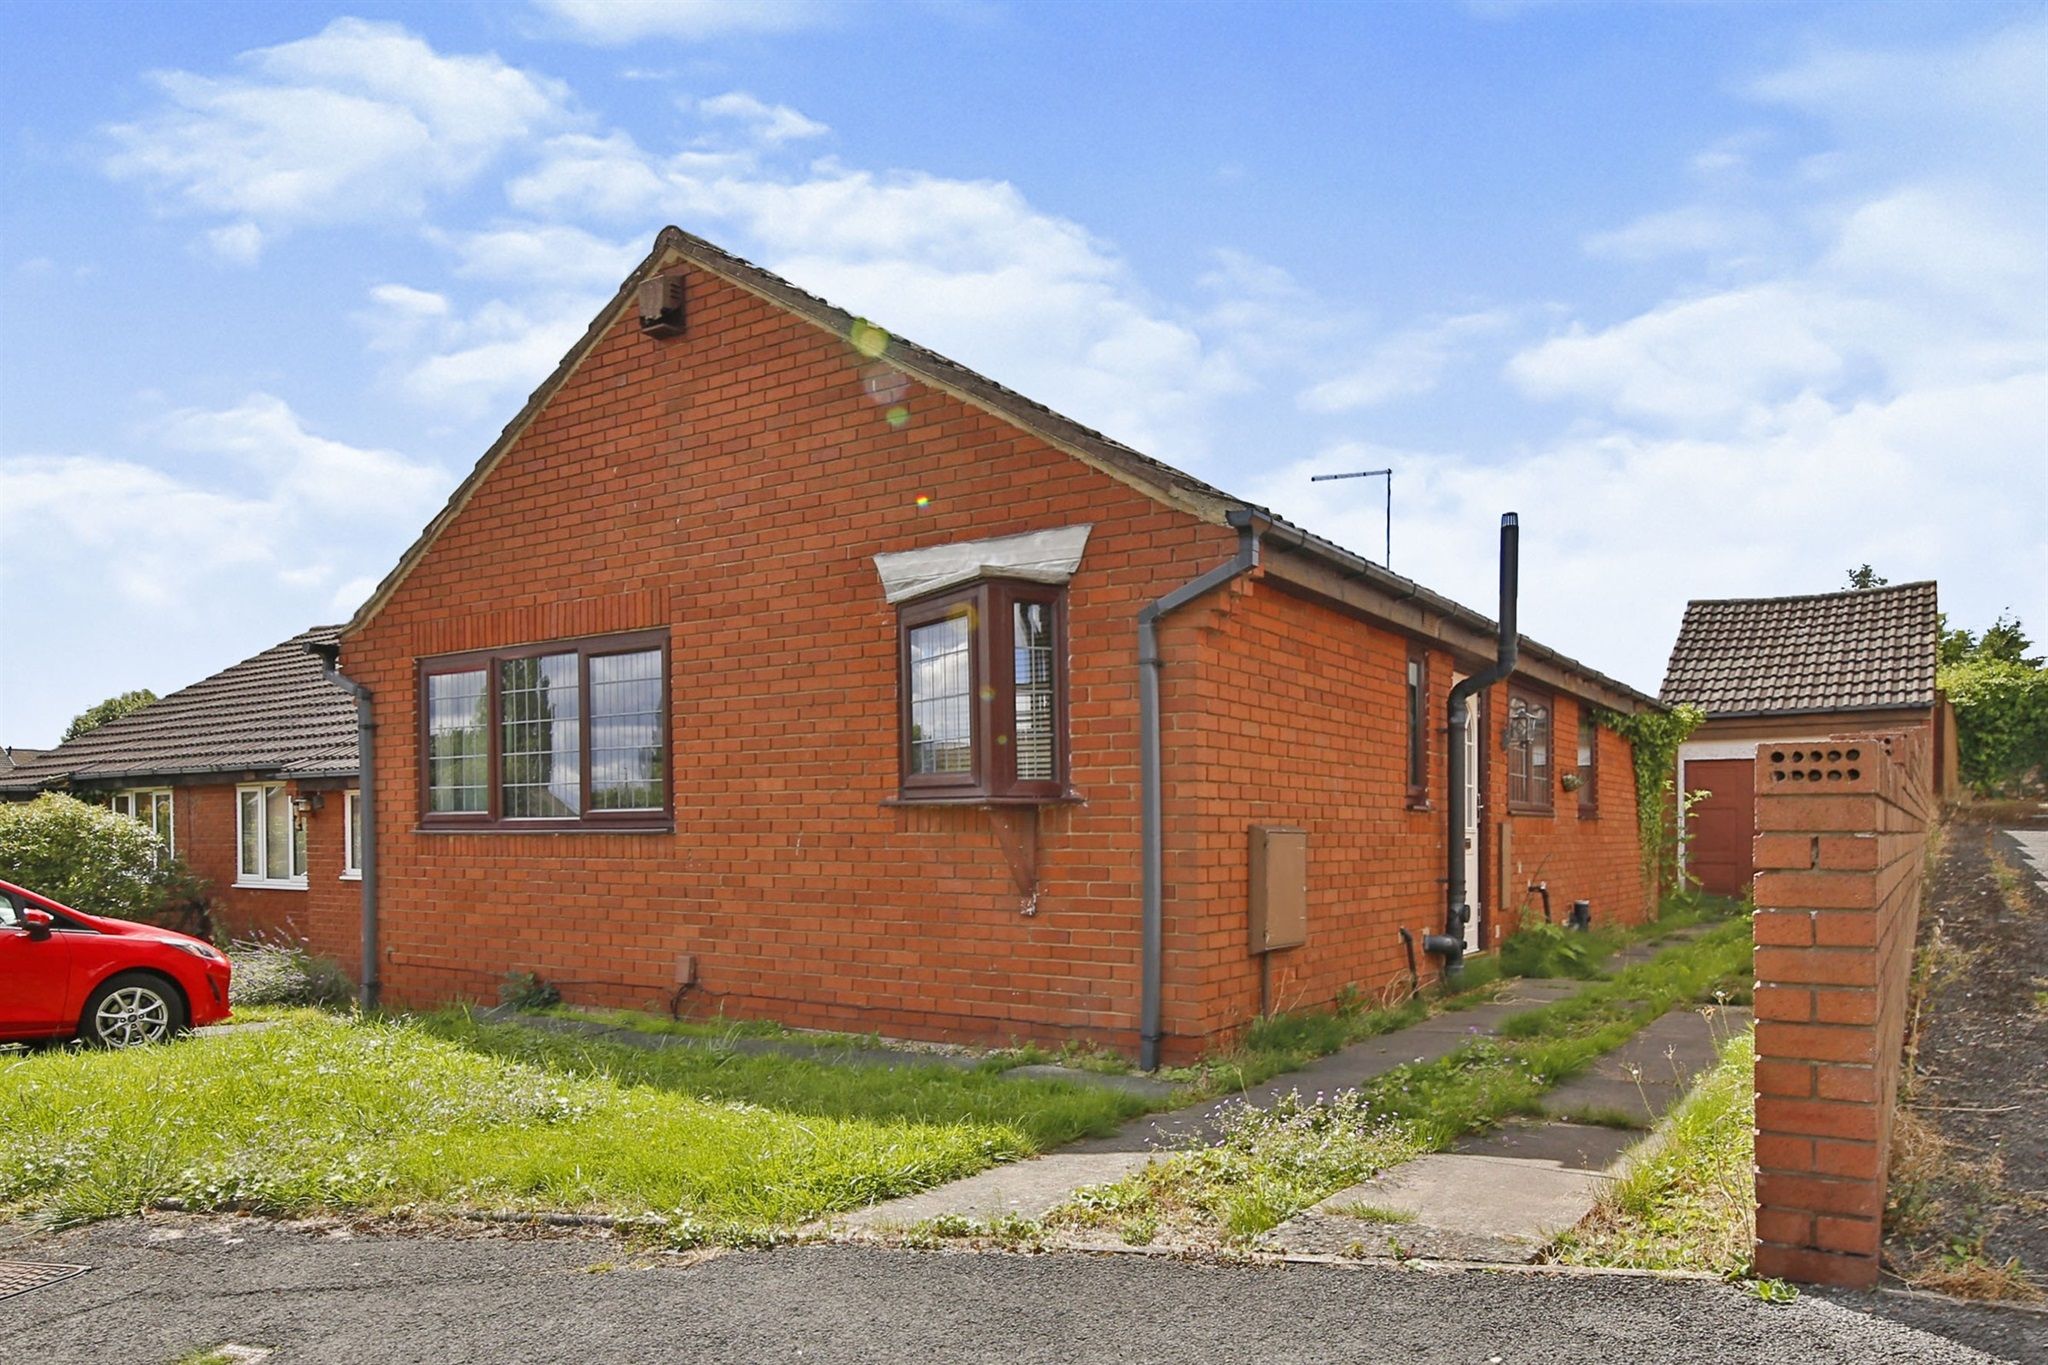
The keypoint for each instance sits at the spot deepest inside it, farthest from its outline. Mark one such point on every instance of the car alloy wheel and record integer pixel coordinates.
(132, 1016)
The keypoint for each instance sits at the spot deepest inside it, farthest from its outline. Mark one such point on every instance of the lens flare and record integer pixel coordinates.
(867, 338)
(924, 500)
(898, 417)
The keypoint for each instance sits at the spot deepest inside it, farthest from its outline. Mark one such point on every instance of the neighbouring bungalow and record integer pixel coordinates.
(771, 664)
(249, 776)
(1794, 670)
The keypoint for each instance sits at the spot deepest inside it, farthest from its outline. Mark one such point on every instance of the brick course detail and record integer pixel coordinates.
(1838, 888)
(731, 485)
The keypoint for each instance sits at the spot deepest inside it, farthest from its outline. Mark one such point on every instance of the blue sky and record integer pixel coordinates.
(1722, 298)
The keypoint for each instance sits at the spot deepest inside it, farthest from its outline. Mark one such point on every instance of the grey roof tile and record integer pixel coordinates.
(1865, 649)
(275, 713)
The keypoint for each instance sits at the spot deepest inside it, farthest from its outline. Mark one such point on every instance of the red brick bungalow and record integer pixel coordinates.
(249, 776)
(771, 664)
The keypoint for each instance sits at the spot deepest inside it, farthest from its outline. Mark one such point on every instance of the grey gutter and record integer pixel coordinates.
(366, 809)
(1712, 716)
(1358, 567)
(1152, 835)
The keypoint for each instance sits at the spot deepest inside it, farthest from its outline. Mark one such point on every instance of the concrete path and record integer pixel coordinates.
(2032, 847)
(322, 1295)
(1034, 1188)
(1505, 1194)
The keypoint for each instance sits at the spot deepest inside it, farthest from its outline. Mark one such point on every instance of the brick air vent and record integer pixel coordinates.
(1835, 764)
(661, 306)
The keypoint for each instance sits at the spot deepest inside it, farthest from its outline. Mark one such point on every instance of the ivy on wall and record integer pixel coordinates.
(1654, 737)
(2001, 724)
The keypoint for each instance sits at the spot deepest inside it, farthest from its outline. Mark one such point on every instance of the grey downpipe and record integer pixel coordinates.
(366, 808)
(1152, 830)
(1450, 944)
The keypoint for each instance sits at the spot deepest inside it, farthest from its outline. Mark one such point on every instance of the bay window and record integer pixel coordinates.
(983, 693)
(565, 734)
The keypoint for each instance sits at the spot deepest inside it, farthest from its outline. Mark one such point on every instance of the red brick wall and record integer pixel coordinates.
(1296, 715)
(731, 485)
(1596, 857)
(1839, 863)
(205, 834)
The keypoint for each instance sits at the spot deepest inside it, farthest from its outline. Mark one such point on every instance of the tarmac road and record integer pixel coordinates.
(162, 1287)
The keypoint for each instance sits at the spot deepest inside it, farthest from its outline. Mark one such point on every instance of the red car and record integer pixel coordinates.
(65, 974)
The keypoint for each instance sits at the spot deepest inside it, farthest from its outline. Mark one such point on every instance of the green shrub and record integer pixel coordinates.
(2001, 724)
(97, 861)
(1550, 950)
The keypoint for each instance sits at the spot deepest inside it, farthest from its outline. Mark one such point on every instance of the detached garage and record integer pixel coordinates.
(1792, 670)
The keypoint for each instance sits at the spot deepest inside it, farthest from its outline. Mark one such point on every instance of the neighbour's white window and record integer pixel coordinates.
(352, 835)
(151, 806)
(270, 837)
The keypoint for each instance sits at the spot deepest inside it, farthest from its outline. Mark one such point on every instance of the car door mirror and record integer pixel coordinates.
(37, 922)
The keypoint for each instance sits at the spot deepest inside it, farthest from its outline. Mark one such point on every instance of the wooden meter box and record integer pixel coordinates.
(1279, 887)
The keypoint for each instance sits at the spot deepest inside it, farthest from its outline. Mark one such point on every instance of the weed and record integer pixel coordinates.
(1551, 950)
(1690, 1203)
(1603, 1116)
(1773, 1291)
(526, 991)
(1374, 1213)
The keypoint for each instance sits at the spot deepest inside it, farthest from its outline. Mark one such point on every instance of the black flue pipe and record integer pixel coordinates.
(1450, 944)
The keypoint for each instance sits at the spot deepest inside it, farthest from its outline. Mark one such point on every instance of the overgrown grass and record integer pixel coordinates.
(1041, 1113)
(1261, 1176)
(717, 1028)
(326, 1114)
(1270, 1163)
(1690, 1204)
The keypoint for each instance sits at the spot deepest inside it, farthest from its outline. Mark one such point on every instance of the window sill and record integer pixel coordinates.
(1067, 798)
(1546, 812)
(350, 877)
(1422, 804)
(246, 885)
(663, 827)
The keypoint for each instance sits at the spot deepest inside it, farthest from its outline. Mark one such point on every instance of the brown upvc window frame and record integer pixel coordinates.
(1537, 796)
(1416, 756)
(492, 818)
(991, 778)
(1589, 771)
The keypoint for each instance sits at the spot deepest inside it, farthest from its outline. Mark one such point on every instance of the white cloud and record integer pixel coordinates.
(616, 22)
(969, 267)
(1696, 229)
(1407, 363)
(212, 495)
(361, 122)
(1620, 528)
(351, 595)
(241, 243)
(147, 534)
(770, 123)
(304, 474)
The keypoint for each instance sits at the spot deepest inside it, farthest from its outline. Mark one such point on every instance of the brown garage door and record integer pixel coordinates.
(1722, 823)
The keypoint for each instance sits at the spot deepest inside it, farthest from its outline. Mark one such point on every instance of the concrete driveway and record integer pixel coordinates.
(163, 1287)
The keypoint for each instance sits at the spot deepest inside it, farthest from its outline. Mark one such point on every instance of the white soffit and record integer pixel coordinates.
(1036, 556)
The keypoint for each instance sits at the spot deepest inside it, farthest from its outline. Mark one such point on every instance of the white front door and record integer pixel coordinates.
(1473, 749)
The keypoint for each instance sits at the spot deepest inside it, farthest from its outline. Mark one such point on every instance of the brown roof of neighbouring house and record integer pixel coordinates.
(274, 715)
(1155, 477)
(1863, 650)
